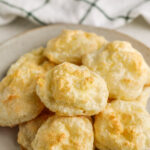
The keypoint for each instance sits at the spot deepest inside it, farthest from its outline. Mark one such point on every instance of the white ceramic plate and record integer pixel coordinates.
(12, 49)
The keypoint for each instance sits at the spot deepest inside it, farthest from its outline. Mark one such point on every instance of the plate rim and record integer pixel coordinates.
(77, 25)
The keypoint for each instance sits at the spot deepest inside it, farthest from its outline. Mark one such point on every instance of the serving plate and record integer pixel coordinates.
(12, 49)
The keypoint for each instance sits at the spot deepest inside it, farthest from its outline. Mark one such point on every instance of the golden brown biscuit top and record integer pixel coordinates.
(70, 89)
(124, 125)
(34, 57)
(17, 89)
(16, 92)
(65, 133)
(122, 67)
(71, 45)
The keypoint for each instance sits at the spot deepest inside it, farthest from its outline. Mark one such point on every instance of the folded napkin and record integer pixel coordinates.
(105, 13)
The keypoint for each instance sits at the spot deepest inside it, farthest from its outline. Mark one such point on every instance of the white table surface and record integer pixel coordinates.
(138, 29)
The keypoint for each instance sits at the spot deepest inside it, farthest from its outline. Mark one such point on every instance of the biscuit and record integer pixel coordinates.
(65, 133)
(123, 125)
(69, 90)
(35, 57)
(71, 45)
(28, 130)
(122, 67)
(18, 99)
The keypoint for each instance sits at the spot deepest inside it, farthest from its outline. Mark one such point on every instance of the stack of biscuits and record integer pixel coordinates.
(81, 92)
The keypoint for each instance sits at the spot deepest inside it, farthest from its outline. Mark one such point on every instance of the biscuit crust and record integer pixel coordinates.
(65, 133)
(122, 125)
(123, 68)
(69, 90)
(28, 130)
(71, 45)
(18, 99)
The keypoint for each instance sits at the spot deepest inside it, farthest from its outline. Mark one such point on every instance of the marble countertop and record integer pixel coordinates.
(138, 29)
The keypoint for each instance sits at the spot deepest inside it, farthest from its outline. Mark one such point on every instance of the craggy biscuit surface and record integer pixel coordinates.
(122, 67)
(122, 125)
(64, 133)
(35, 57)
(18, 99)
(71, 45)
(69, 89)
(28, 130)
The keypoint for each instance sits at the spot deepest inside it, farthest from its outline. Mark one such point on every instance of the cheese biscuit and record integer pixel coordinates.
(123, 68)
(122, 125)
(28, 130)
(64, 133)
(71, 45)
(70, 90)
(18, 99)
